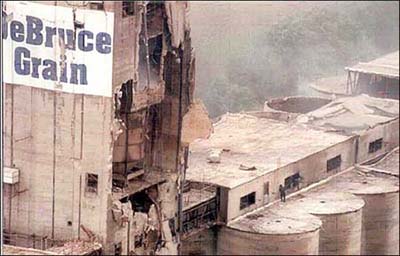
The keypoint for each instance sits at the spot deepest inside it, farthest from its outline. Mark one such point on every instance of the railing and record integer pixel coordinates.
(200, 216)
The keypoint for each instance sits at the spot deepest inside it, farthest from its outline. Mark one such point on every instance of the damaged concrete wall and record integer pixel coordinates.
(158, 134)
(57, 139)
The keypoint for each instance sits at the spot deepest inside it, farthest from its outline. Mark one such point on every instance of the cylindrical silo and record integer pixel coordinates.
(381, 222)
(341, 216)
(380, 214)
(271, 233)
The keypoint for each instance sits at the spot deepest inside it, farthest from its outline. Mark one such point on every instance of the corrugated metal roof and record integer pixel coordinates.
(387, 66)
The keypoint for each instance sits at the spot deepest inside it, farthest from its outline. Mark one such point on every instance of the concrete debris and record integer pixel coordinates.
(214, 156)
(116, 210)
(353, 114)
(247, 168)
(76, 248)
(127, 212)
(196, 123)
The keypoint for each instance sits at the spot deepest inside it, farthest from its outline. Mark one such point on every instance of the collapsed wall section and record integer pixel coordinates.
(148, 156)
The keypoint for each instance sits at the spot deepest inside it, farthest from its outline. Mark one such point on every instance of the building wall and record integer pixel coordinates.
(56, 139)
(62, 136)
(311, 168)
(390, 134)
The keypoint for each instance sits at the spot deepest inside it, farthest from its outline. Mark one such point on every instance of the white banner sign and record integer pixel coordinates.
(57, 48)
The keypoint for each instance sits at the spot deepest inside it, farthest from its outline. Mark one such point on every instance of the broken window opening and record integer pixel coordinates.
(334, 163)
(155, 45)
(155, 18)
(139, 240)
(128, 8)
(141, 201)
(375, 146)
(247, 200)
(118, 248)
(292, 181)
(172, 227)
(125, 97)
(91, 182)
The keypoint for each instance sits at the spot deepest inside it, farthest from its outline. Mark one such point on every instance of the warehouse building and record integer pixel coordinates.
(249, 155)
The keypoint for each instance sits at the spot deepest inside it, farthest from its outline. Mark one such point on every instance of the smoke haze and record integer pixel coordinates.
(247, 52)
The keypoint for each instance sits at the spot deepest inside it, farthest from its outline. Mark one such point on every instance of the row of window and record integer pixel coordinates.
(293, 180)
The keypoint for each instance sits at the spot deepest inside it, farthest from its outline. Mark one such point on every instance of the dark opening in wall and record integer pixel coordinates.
(172, 227)
(91, 182)
(140, 201)
(334, 163)
(96, 5)
(118, 248)
(124, 98)
(155, 18)
(292, 181)
(155, 46)
(247, 200)
(155, 50)
(375, 146)
(128, 8)
(139, 240)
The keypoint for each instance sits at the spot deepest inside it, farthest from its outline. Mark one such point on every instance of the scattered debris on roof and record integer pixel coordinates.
(260, 144)
(76, 248)
(353, 114)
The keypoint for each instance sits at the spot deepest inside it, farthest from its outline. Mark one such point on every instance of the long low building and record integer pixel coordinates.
(256, 155)
(249, 156)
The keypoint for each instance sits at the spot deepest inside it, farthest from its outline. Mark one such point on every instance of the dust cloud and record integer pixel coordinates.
(248, 52)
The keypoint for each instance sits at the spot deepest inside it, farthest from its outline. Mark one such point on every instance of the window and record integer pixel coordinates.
(266, 188)
(247, 200)
(292, 181)
(91, 182)
(334, 163)
(96, 5)
(118, 248)
(138, 241)
(128, 8)
(375, 145)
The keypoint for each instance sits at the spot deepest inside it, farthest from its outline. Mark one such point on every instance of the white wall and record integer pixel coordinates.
(390, 134)
(311, 168)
